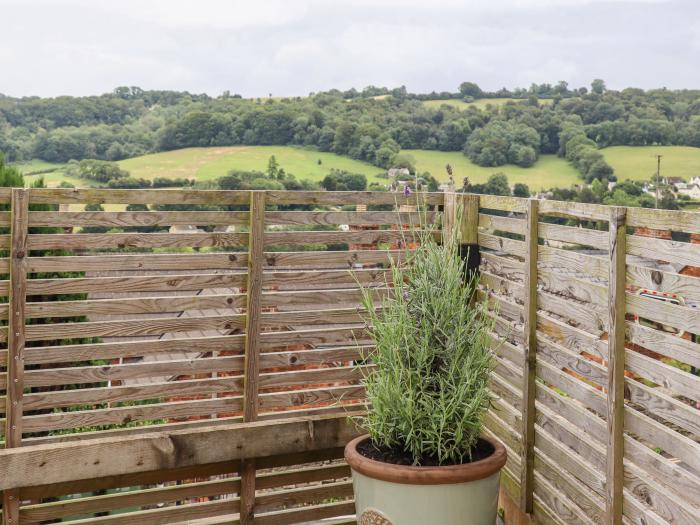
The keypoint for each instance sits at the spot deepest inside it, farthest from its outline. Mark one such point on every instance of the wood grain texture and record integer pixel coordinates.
(16, 330)
(43, 464)
(530, 358)
(252, 346)
(616, 365)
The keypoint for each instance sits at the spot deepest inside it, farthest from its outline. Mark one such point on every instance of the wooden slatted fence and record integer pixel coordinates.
(193, 359)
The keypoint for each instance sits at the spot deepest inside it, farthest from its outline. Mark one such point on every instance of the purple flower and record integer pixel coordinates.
(406, 190)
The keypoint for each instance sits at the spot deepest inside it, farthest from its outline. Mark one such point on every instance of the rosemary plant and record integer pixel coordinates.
(428, 390)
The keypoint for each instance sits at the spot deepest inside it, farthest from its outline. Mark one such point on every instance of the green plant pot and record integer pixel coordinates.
(388, 494)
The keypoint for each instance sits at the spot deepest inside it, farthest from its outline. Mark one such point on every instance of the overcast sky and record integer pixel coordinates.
(293, 47)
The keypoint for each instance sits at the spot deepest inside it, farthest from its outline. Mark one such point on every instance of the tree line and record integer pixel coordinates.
(372, 125)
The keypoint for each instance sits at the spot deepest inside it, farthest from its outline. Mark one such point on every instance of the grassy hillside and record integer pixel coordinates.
(549, 171)
(211, 163)
(639, 162)
(480, 103)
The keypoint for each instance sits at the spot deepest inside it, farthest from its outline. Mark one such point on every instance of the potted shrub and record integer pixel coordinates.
(424, 459)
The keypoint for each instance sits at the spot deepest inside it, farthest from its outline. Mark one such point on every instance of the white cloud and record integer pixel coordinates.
(294, 47)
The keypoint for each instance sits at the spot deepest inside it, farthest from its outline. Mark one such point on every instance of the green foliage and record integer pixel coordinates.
(497, 184)
(9, 176)
(96, 170)
(338, 180)
(503, 142)
(428, 392)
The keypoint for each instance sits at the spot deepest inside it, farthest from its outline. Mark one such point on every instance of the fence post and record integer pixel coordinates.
(527, 457)
(469, 231)
(252, 344)
(616, 364)
(449, 214)
(15, 338)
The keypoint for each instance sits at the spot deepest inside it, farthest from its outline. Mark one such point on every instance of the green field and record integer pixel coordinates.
(211, 163)
(639, 162)
(549, 171)
(480, 103)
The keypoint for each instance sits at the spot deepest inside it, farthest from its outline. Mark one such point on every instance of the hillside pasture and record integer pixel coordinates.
(205, 164)
(549, 171)
(639, 162)
(479, 103)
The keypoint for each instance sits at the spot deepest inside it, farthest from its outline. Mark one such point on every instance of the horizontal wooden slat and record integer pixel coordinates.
(573, 261)
(502, 244)
(41, 464)
(135, 284)
(134, 327)
(123, 415)
(313, 278)
(96, 241)
(506, 224)
(575, 210)
(332, 259)
(159, 196)
(663, 250)
(133, 498)
(86, 352)
(664, 343)
(137, 218)
(340, 237)
(686, 286)
(679, 221)
(351, 197)
(145, 261)
(352, 218)
(574, 235)
(133, 306)
(495, 202)
(678, 316)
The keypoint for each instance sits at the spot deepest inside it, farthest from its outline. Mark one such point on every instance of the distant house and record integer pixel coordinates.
(398, 174)
(672, 181)
(690, 189)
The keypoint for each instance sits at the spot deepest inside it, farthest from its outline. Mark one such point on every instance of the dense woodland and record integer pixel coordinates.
(371, 125)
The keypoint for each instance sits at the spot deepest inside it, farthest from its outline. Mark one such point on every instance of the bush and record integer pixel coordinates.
(428, 392)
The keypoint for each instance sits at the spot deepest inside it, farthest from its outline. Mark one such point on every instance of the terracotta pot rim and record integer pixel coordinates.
(412, 475)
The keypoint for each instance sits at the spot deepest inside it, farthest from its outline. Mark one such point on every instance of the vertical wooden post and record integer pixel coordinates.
(252, 345)
(16, 338)
(449, 214)
(527, 458)
(468, 214)
(616, 364)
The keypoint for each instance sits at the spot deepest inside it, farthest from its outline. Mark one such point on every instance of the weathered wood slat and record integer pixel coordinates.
(502, 244)
(123, 415)
(308, 279)
(505, 224)
(575, 210)
(574, 235)
(87, 352)
(682, 317)
(159, 196)
(97, 241)
(144, 261)
(685, 286)
(134, 327)
(339, 198)
(572, 261)
(333, 259)
(133, 306)
(663, 250)
(494, 202)
(137, 218)
(41, 464)
(134, 498)
(341, 237)
(352, 218)
(135, 284)
(95, 374)
(163, 390)
(679, 221)
(664, 343)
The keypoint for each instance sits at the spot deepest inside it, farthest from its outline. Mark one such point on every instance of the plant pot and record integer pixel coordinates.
(389, 494)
